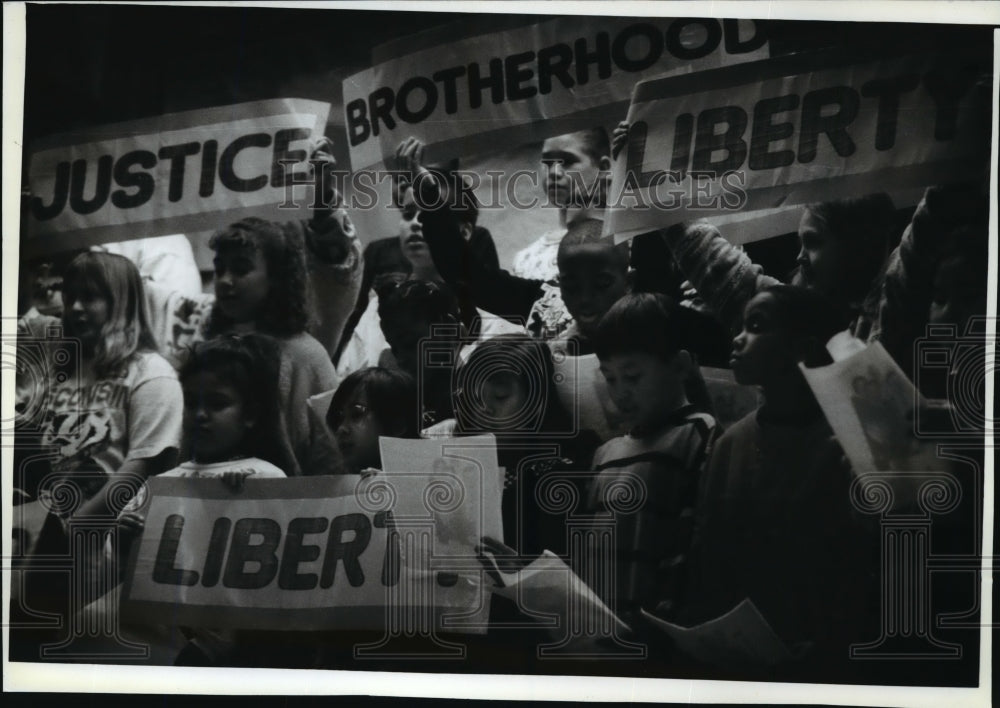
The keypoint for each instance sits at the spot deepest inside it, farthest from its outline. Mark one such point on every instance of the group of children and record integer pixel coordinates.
(566, 361)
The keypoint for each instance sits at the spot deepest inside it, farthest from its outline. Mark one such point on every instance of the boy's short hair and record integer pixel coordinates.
(646, 323)
(421, 298)
(594, 143)
(589, 231)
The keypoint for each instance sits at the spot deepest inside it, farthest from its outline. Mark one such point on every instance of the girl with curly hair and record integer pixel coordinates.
(262, 284)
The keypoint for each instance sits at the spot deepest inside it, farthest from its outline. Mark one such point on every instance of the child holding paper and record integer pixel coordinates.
(775, 522)
(659, 462)
(508, 388)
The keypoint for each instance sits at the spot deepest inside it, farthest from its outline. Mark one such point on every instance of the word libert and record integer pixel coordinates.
(249, 554)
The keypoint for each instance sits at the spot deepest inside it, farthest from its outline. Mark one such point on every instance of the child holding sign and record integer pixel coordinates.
(231, 432)
(508, 387)
(231, 427)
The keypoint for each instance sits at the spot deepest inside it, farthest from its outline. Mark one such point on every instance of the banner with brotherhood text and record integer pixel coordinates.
(510, 84)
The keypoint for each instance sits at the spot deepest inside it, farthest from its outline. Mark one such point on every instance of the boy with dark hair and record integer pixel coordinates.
(593, 272)
(662, 455)
(576, 170)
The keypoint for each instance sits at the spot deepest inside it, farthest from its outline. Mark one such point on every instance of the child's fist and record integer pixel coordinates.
(130, 524)
(322, 152)
(234, 479)
(321, 158)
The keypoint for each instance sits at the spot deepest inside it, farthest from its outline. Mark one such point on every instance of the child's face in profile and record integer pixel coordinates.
(762, 349)
(411, 232)
(357, 432)
(822, 258)
(644, 388)
(241, 282)
(216, 421)
(592, 279)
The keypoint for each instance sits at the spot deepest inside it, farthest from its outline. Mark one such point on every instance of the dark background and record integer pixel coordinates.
(93, 64)
(89, 65)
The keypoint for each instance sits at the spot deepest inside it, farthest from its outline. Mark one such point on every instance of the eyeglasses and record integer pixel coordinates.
(355, 413)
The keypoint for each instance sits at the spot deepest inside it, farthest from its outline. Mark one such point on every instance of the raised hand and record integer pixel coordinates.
(410, 157)
(321, 157)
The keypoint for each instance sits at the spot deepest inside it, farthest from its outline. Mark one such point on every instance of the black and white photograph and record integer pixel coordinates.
(579, 351)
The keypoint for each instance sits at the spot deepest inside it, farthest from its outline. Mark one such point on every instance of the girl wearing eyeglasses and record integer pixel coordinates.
(370, 403)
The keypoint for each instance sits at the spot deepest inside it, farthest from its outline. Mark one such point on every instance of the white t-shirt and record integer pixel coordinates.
(255, 467)
(104, 422)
